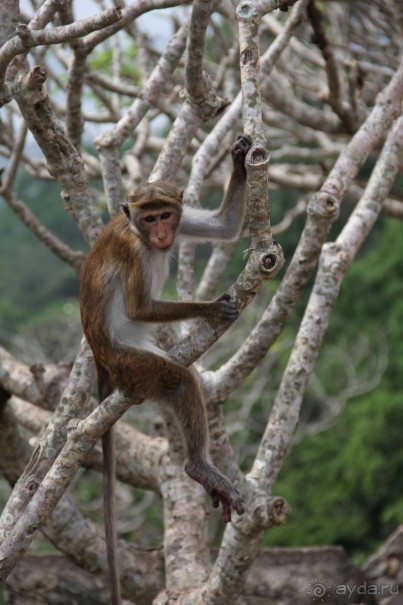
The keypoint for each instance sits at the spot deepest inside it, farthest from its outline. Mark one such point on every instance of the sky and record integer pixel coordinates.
(155, 23)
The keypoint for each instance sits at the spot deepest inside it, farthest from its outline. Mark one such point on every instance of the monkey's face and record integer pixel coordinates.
(159, 227)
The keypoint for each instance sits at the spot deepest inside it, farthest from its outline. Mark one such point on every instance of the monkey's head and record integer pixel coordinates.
(154, 210)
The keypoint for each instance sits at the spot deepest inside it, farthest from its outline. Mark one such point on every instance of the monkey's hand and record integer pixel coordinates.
(239, 150)
(223, 309)
(218, 486)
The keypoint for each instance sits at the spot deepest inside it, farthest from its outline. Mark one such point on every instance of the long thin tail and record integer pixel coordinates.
(105, 388)
(109, 472)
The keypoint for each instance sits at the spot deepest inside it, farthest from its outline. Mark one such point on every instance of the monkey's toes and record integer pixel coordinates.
(231, 501)
(226, 512)
(239, 507)
(237, 502)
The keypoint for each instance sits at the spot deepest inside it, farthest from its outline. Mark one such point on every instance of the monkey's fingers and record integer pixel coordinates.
(225, 297)
(236, 501)
(231, 312)
(226, 309)
(241, 147)
(218, 486)
(243, 140)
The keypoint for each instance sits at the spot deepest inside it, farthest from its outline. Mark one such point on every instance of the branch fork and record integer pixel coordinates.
(209, 105)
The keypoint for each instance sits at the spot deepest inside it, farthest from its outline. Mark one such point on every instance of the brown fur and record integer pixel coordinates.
(159, 191)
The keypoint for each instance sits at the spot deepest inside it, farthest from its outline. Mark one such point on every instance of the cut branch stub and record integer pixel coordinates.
(273, 511)
(247, 10)
(257, 164)
(24, 33)
(258, 156)
(264, 263)
(269, 260)
(35, 78)
(266, 257)
(324, 205)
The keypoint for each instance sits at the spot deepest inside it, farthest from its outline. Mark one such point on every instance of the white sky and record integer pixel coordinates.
(155, 23)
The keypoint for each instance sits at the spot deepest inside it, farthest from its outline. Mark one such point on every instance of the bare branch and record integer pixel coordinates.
(110, 142)
(322, 211)
(59, 152)
(28, 38)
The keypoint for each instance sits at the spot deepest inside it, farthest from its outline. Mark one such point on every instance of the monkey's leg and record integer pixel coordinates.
(154, 377)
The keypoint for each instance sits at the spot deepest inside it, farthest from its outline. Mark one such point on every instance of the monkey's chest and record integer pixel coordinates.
(134, 333)
(158, 272)
(125, 331)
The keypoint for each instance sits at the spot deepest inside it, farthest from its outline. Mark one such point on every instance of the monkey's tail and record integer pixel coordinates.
(105, 388)
(109, 473)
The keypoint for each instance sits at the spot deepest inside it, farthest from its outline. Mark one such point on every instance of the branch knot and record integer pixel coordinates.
(324, 206)
(24, 33)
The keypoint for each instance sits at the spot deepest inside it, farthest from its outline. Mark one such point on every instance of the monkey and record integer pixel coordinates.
(121, 282)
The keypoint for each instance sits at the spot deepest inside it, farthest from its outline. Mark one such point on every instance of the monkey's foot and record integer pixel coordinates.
(217, 485)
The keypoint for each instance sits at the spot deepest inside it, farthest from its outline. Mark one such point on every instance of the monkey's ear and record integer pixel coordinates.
(181, 192)
(126, 209)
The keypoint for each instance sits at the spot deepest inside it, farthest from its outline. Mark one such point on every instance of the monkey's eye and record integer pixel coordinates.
(149, 219)
(165, 215)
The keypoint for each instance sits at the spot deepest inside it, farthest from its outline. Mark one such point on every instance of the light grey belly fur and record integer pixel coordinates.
(138, 334)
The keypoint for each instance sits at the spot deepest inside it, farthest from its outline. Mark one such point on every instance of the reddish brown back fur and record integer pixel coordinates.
(115, 257)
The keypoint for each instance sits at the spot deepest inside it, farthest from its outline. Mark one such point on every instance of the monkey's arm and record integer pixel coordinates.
(222, 224)
(226, 222)
(166, 310)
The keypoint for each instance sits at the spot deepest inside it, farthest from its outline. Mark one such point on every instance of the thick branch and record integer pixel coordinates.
(73, 400)
(335, 260)
(201, 12)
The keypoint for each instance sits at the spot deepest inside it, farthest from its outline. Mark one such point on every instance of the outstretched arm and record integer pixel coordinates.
(221, 309)
(226, 222)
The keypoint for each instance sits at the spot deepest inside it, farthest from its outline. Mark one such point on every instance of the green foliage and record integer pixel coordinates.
(35, 278)
(344, 484)
(371, 297)
(102, 60)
